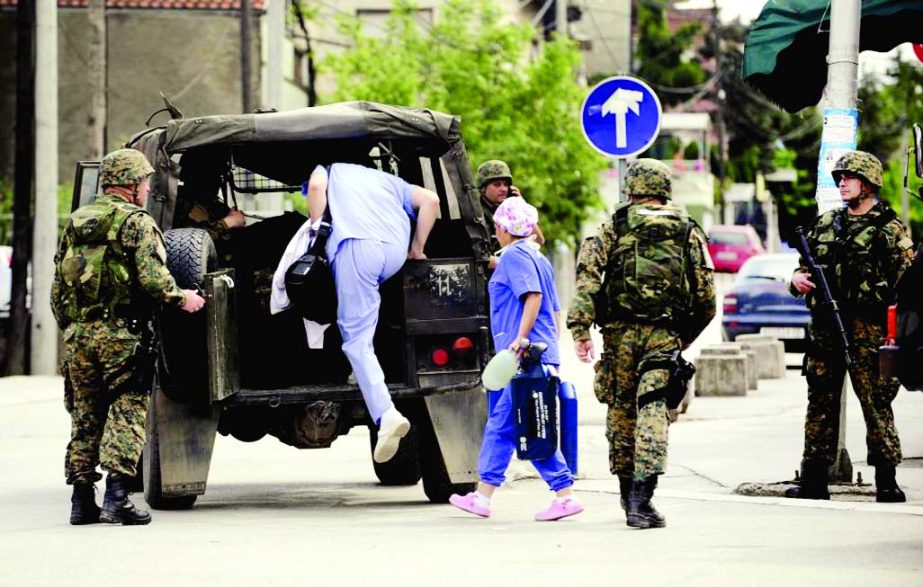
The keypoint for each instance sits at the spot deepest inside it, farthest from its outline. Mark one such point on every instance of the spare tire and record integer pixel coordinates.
(184, 364)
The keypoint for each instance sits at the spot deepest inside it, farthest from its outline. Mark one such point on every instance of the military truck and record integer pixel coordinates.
(902, 354)
(235, 369)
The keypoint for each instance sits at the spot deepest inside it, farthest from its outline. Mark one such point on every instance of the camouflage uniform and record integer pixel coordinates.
(862, 256)
(110, 275)
(487, 172)
(638, 438)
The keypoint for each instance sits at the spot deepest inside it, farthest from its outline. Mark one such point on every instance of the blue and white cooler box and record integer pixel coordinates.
(541, 402)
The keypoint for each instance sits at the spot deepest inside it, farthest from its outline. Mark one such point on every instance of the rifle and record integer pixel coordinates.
(827, 301)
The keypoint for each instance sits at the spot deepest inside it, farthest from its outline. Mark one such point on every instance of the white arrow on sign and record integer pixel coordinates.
(619, 103)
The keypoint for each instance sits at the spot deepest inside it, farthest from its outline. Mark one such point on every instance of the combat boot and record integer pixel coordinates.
(641, 512)
(886, 489)
(814, 481)
(83, 505)
(117, 508)
(624, 491)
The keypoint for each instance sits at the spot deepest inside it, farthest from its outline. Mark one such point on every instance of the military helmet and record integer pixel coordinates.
(491, 170)
(649, 177)
(865, 165)
(124, 167)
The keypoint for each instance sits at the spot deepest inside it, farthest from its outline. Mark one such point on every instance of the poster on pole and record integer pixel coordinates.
(841, 125)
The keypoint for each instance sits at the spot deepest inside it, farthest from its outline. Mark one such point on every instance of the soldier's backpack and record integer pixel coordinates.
(96, 274)
(647, 275)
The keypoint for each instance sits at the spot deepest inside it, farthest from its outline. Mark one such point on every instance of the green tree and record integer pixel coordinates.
(888, 108)
(662, 53)
(520, 109)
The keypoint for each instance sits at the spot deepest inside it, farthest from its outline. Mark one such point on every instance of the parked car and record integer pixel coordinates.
(6, 280)
(759, 302)
(731, 245)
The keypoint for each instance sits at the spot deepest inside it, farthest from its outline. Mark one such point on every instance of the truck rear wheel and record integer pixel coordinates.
(404, 467)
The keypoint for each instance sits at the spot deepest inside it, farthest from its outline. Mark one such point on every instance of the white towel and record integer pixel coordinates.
(278, 299)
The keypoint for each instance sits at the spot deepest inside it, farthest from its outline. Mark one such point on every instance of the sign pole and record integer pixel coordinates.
(620, 118)
(841, 127)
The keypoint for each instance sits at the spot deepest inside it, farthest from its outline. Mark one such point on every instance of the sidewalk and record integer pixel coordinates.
(723, 442)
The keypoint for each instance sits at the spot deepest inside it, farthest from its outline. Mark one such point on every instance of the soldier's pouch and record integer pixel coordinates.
(604, 382)
(665, 378)
(84, 272)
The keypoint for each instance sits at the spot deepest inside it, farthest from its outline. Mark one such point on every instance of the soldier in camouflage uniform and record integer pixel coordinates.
(647, 281)
(110, 276)
(863, 248)
(495, 183)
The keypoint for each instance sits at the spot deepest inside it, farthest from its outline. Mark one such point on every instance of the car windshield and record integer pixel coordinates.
(774, 267)
(728, 238)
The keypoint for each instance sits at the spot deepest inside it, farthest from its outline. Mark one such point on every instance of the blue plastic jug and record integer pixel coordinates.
(568, 398)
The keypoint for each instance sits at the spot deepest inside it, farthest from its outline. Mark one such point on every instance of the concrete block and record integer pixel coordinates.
(770, 354)
(733, 348)
(721, 374)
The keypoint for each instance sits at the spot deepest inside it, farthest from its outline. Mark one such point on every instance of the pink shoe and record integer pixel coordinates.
(469, 504)
(559, 509)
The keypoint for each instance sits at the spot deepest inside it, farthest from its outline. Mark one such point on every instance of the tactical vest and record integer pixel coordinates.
(854, 256)
(647, 274)
(100, 281)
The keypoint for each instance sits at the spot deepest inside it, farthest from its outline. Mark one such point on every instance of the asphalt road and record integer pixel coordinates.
(274, 515)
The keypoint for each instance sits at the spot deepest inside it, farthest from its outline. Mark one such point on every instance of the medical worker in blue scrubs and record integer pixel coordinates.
(524, 308)
(369, 242)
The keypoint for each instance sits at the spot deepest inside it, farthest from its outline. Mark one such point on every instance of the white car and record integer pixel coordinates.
(6, 280)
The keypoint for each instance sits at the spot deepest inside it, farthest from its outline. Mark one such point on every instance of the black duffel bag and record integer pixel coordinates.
(309, 281)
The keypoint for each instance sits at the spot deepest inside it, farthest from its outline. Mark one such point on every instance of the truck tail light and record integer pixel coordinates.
(892, 324)
(462, 347)
(439, 357)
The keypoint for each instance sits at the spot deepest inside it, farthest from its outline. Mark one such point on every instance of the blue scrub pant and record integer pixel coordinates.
(500, 442)
(359, 267)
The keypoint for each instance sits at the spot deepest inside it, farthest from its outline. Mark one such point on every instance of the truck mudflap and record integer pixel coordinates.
(458, 421)
(221, 337)
(178, 451)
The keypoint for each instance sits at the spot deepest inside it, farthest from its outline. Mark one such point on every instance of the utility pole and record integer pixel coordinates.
(246, 27)
(560, 18)
(44, 348)
(275, 16)
(842, 92)
(96, 73)
(17, 339)
(720, 96)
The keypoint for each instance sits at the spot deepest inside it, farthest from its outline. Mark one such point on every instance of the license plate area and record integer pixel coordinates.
(783, 332)
(439, 289)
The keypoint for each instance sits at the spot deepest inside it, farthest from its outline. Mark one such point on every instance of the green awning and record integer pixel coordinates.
(786, 52)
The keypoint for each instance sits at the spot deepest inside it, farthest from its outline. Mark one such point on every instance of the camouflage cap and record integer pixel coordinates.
(865, 165)
(124, 167)
(649, 177)
(491, 170)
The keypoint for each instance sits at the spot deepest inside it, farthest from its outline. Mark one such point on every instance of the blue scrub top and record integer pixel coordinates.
(523, 269)
(367, 204)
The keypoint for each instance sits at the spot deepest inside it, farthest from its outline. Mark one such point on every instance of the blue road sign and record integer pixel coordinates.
(621, 116)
